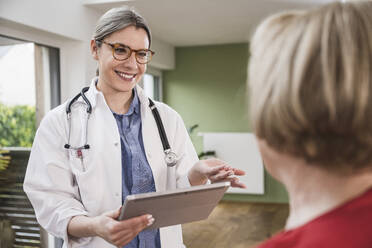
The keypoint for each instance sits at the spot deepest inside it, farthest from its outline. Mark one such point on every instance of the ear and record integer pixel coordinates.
(94, 49)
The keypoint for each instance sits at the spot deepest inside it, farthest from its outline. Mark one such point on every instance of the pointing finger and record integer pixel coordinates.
(237, 184)
(238, 172)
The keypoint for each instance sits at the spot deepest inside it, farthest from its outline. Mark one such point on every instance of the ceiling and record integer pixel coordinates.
(204, 22)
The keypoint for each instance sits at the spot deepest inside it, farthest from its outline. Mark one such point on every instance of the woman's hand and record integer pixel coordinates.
(216, 171)
(118, 233)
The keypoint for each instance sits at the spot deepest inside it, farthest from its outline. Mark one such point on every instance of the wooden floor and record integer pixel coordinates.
(236, 225)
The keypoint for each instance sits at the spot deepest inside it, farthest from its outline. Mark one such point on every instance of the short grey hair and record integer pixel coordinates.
(119, 18)
(311, 84)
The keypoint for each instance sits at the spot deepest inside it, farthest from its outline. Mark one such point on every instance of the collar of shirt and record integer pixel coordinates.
(134, 106)
(96, 97)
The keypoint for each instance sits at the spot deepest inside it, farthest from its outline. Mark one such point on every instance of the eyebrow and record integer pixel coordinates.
(121, 44)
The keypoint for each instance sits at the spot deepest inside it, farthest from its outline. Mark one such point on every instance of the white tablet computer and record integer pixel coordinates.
(176, 206)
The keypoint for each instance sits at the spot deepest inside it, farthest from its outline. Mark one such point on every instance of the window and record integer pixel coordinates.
(29, 87)
(152, 84)
(17, 95)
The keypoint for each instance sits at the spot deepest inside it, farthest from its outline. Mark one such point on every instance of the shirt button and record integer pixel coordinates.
(116, 143)
(116, 194)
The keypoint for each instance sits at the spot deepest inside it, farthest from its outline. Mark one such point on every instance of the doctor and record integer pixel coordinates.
(81, 168)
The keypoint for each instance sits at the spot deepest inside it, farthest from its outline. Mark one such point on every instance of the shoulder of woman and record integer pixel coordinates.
(55, 117)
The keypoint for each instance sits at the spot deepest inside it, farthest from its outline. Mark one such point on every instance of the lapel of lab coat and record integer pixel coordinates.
(152, 142)
(151, 138)
(107, 151)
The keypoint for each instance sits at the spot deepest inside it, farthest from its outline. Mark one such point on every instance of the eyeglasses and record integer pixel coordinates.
(122, 52)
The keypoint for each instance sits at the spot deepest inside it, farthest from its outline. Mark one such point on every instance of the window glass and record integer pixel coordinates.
(29, 87)
(152, 87)
(17, 95)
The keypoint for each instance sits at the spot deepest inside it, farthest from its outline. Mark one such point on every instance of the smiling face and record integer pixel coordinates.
(120, 76)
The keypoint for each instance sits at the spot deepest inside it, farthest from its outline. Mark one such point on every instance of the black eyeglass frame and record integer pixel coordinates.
(117, 45)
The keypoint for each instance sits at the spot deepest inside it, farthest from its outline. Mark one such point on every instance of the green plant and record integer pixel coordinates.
(4, 159)
(17, 125)
(4, 165)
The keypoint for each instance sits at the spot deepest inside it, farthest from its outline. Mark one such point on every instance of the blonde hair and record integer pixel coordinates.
(310, 77)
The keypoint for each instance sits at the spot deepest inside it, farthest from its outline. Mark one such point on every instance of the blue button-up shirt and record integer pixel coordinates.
(136, 172)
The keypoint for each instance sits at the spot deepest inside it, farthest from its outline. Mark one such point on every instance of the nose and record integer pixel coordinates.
(131, 62)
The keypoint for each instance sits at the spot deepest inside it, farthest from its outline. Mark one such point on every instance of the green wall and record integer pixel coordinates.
(208, 88)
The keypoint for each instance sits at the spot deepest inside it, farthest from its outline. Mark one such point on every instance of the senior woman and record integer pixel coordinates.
(76, 193)
(311, 104)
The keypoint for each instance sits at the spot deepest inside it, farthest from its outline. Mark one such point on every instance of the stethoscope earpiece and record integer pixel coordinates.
(68, 113)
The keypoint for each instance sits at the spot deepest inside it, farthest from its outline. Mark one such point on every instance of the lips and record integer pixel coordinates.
(126, 76)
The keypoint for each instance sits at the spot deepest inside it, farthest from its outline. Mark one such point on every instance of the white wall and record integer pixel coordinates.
(68, 18)
(67, 25)
(164, 57)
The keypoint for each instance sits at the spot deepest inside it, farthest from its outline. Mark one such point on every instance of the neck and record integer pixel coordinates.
(314, 191)
(119, 102)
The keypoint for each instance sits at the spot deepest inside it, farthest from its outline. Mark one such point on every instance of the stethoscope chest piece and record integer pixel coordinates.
(170, 158)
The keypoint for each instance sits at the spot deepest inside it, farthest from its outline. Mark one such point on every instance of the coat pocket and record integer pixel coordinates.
(79, 160)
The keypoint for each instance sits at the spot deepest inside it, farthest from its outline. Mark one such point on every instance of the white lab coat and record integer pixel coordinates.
(60, 185)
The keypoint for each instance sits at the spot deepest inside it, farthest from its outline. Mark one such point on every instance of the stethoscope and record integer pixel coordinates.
(170, 158)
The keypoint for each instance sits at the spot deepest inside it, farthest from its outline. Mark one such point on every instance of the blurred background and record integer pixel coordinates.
(200, 70)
